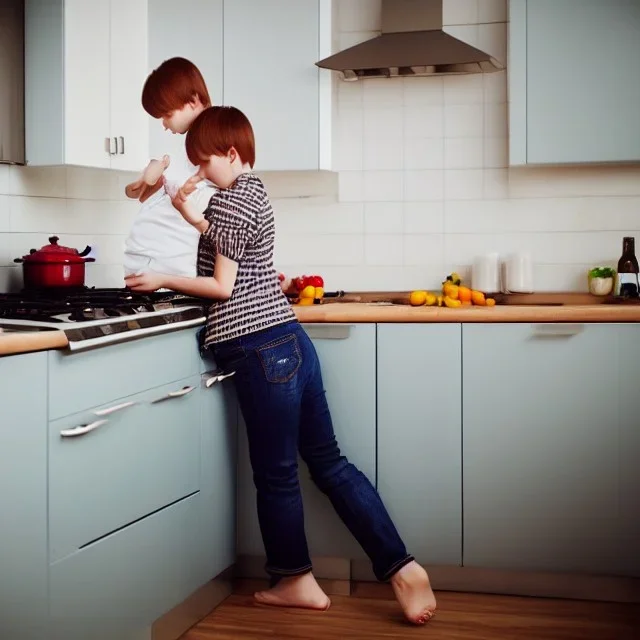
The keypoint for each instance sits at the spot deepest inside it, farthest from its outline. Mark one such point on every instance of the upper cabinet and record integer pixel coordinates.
(574, 89)
(270, 74)
(198, 39)
(259, 57)
(85, 64)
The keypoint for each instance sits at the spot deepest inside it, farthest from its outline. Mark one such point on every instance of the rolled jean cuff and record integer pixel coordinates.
(395, 567)
(288, 573)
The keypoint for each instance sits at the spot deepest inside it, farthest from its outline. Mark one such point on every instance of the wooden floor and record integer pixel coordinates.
(460, 616)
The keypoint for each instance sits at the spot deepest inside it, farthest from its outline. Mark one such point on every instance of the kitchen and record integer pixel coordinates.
(408, 179)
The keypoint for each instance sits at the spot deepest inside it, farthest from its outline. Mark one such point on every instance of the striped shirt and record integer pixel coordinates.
(242, 228)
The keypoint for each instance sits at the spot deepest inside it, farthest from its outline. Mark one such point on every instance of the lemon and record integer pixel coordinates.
(417, 298)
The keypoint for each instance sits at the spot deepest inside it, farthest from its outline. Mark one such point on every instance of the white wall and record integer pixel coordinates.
(422, 186)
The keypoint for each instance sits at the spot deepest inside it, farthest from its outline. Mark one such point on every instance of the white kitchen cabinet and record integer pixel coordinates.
(85, 65)
(259, 57)
(551, 447)
(198, 39)
(270, 51)
(574, 81)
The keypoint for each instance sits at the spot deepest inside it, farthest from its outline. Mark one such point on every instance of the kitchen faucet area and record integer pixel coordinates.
(456, 198)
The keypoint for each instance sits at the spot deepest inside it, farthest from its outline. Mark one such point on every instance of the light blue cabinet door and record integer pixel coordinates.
(550, 447)
(419, 437)
(347, 357)
(141, 459)
(23, 496)
(270, 51)
(574, 81)
(118, 586)
(218, 472)
(190, 29)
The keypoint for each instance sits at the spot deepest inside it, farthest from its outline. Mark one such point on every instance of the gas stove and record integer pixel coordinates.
(92, 316)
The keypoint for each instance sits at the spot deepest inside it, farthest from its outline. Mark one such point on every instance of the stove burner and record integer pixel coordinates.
(87, 303)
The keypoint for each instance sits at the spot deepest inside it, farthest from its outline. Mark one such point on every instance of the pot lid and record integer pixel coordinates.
(53, 252)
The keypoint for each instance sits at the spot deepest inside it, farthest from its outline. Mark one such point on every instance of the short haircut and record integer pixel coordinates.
(171, 86)
(216, 130)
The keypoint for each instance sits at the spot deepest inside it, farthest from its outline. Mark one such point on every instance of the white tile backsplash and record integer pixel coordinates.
(422, 186)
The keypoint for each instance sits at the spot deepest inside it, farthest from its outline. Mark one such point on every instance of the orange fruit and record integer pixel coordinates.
(417, 298)
(451, 290)
(490, 302)
(477, 297)
(464, 294)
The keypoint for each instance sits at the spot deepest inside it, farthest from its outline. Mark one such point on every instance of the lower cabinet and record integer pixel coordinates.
(117, 587)
(347, 356)
(419, 437)
(551, 444)
(216, 546)
(23, 497)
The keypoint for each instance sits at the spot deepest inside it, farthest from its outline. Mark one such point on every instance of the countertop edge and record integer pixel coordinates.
(16, 343)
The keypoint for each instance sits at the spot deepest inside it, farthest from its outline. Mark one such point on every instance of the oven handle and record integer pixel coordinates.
(82, 429)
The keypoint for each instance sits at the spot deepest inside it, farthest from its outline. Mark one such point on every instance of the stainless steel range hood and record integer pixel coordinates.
(11, 81)
(412, 43)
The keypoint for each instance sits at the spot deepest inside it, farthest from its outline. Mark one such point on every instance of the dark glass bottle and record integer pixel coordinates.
(627, 284)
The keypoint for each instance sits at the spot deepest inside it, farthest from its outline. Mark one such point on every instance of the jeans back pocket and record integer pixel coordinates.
(280, 359)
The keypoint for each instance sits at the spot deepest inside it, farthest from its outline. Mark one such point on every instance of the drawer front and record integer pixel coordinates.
(116, 588)
(78, 381)
(138, 459)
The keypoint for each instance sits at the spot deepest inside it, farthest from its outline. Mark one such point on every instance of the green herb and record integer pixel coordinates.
(602, 272)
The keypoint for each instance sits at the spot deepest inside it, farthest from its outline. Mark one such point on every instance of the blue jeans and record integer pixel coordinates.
(282, 399)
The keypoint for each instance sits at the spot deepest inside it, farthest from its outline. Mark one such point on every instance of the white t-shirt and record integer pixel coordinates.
(160, 239)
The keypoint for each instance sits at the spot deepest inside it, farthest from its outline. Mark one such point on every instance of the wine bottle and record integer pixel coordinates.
(627, 284)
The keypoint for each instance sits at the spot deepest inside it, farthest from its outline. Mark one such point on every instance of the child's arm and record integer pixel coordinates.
(218, 287)
(149, 181)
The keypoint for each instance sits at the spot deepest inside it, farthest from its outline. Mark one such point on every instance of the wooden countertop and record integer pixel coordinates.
(25, 341)
(372, 312)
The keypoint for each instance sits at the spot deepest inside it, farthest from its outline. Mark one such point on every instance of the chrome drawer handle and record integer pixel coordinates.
(109, 410)
(557, 330)
(211, 380)
(80, 430)
(174, 394)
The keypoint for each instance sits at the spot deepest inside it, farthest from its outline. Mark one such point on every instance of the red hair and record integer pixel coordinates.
(216, 130)
(173, 84)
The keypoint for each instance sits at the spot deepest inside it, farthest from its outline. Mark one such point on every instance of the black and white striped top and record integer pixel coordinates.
(242, 228)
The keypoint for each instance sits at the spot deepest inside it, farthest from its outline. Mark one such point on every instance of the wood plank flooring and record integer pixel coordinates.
(461, 616)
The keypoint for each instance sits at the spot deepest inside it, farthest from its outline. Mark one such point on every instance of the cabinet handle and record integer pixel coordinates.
(561, 330)
(328, 331)
(81, 429)
(174, 394)
(219, 377)
(110, 146)
(120, 145)
(109, 410)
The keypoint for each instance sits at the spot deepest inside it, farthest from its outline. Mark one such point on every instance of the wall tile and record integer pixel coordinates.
(463, 184)
(349, 138)
(38, 181)
(383, 217)
(464, 153)
(4, 178)
(317, 252)
(423, 218)
(466, 89)
(424, 91)
(382, 92)
(383, 148)
(492, 38)
(423, 121)
(423, 153)
(460, 11)
(420, 186)
(495, 120)
(496, 153)
(383, 186)
(383, 250)
(495, 87)
(359, 15)
(351, 186)
(302, 218)
(424, 250)
(5, 213)
(492, 11)
(464, 121)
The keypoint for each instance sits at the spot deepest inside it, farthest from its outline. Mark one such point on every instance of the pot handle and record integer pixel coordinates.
(89, 259)
(85, 252)
(18, 260)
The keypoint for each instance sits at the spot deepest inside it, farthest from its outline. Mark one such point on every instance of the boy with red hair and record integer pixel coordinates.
(160, 241)
(252, 330)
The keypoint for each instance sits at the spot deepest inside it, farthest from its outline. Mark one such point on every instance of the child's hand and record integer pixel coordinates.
(181, 203)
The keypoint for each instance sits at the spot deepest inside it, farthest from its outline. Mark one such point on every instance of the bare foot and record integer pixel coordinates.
(298, 591)
(413, 591)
